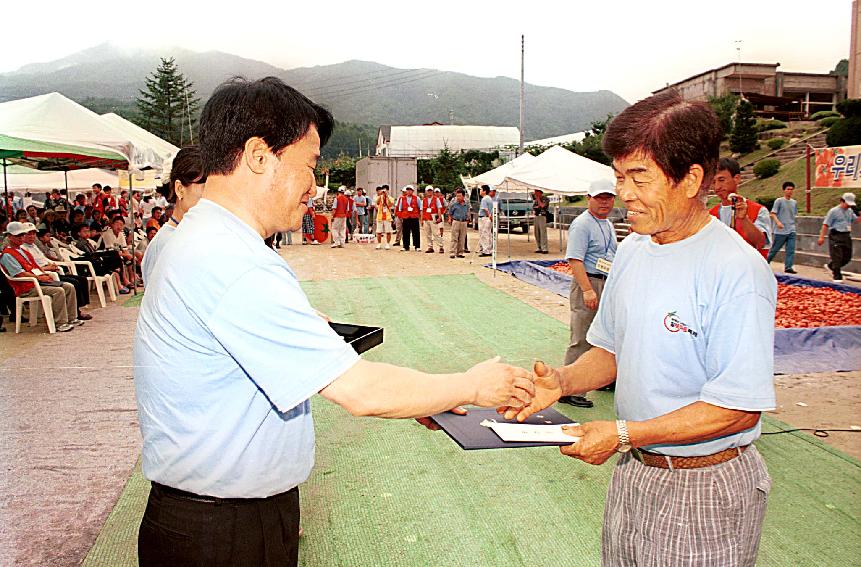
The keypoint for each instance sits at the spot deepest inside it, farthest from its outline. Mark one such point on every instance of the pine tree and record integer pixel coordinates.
(743, 139)
(168, 104)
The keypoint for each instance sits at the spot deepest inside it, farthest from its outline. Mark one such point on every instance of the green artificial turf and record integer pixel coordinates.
(393, 493)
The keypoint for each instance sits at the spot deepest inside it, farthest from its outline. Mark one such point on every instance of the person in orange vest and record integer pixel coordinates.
(749, 219)
(339, 219)
(351, 213)
(407, 210)
(433, 209)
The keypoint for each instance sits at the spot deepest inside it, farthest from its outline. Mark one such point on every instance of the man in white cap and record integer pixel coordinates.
(838, 223)
(19, 263)
(590, 252)
(433, 209)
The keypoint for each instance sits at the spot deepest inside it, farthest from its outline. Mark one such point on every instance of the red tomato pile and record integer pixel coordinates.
(562, 267)
(802, 306)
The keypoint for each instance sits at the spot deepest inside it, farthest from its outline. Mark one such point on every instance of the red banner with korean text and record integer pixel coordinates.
(838, 167)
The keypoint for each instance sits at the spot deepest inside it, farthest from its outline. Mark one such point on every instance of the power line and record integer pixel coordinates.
(339, 84)
(330, 96)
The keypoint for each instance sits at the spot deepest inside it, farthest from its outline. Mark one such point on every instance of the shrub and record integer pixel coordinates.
(764, 125)
(845, 132)
(766, 168)
(849, 107)
(824, 114)
(767, 202)
(776, 143)
(829, 121)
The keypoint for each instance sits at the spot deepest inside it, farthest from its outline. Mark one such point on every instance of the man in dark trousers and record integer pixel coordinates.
(407, 209)
(838, 223)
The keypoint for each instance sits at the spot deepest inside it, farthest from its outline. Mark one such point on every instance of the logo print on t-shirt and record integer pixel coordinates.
(674, 325)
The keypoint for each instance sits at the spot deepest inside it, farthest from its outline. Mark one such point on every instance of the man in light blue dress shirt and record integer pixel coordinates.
(228, 350)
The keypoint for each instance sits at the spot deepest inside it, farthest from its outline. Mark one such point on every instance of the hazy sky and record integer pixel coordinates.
(630, 47)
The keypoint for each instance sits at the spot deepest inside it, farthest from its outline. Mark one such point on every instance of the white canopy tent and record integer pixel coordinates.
(557, 171)
(497, 175)
(26, 179)
(150, 151)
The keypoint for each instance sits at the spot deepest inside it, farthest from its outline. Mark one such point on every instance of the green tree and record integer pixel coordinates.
(446, 169)
(743, 139)
(842, 68)
(168, 107)
(592, 145)
(847, 130)
(724, 106)
(341, 170)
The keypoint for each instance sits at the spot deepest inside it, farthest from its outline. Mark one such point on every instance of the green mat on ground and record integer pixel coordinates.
(392, 493)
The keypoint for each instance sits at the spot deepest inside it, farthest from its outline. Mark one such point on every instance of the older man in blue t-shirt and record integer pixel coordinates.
(686, 328)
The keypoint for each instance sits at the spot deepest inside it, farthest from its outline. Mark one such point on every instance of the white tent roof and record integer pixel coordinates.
(33, 180)
(150, 151)
(556, 140)
(429, 140)
(498, 175)
(557, 171)
(54, 118)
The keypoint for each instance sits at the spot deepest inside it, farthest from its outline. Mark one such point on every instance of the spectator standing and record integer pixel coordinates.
(114, 238)
(590, 253)
(752, 220)
(308, 224)
(383, 204)
(838, 222)
(123, 203)
(432, 213)
(541, 211)
(351, 214)
(361, 202)
(339, 218)
(437, 192)
(458, 214)
(485, 222)
(185, 188)
(784, 212)
(408, 211)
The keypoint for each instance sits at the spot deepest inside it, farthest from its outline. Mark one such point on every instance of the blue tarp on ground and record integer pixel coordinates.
(796, 351)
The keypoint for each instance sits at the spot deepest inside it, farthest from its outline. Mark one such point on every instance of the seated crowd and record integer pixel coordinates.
(38, 240)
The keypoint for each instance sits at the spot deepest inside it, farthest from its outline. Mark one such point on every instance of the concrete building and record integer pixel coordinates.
(428, 140)
(774, 94)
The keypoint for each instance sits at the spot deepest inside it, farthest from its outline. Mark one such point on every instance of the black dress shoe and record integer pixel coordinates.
(576, 401)
(789, 271)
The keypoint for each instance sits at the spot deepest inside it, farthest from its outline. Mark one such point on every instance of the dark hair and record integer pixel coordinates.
(461, 191)
(151, 228)
(187, 168)
(154, 209)
(76, 230)
(107, 188)
(730, 165)
(266, 108)
(116, 218)
(99, 185)
(385, 187)
(670, 130)
(788, 184)
(42, 232)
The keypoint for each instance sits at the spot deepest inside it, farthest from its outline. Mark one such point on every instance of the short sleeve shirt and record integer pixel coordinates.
(153, 250)
(690, 321)
(589, 239)
(840, 219)
(227, 353)
(486, 208)
(762, 222)
(786, 210)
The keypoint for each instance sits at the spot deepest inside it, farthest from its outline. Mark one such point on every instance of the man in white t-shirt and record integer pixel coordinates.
(686, 328)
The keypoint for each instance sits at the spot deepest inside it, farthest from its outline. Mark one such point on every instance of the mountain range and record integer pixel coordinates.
(359, 92)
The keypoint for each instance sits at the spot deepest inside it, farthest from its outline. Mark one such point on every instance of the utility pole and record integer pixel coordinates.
(738, 52)
(522, 50)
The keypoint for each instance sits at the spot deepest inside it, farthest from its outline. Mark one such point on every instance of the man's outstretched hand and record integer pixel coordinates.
(548, 390)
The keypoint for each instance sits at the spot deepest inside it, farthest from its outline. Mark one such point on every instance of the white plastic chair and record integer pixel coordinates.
(96, 281)
(35, 302)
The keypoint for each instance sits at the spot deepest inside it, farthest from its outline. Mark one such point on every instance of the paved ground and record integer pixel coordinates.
(68, 431)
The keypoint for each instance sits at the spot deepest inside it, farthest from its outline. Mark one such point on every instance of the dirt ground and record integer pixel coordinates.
(830, 399)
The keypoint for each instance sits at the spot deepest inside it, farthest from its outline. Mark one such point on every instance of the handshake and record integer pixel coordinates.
(515, 392)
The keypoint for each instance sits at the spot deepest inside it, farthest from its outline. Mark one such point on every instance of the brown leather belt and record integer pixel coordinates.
(663, 461)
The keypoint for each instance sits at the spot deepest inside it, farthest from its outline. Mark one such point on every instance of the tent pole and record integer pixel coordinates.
(5, 189)
(559, 224)
(134, 235)
(508, 206)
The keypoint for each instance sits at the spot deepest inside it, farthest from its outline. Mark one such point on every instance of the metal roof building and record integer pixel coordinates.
(428, 140)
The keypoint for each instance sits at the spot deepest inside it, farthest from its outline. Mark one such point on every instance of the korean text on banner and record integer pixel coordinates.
(838, 167)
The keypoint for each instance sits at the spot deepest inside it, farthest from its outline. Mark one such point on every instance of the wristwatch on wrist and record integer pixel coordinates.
(624, 438)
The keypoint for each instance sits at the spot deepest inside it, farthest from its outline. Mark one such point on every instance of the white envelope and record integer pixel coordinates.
(525, 432)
